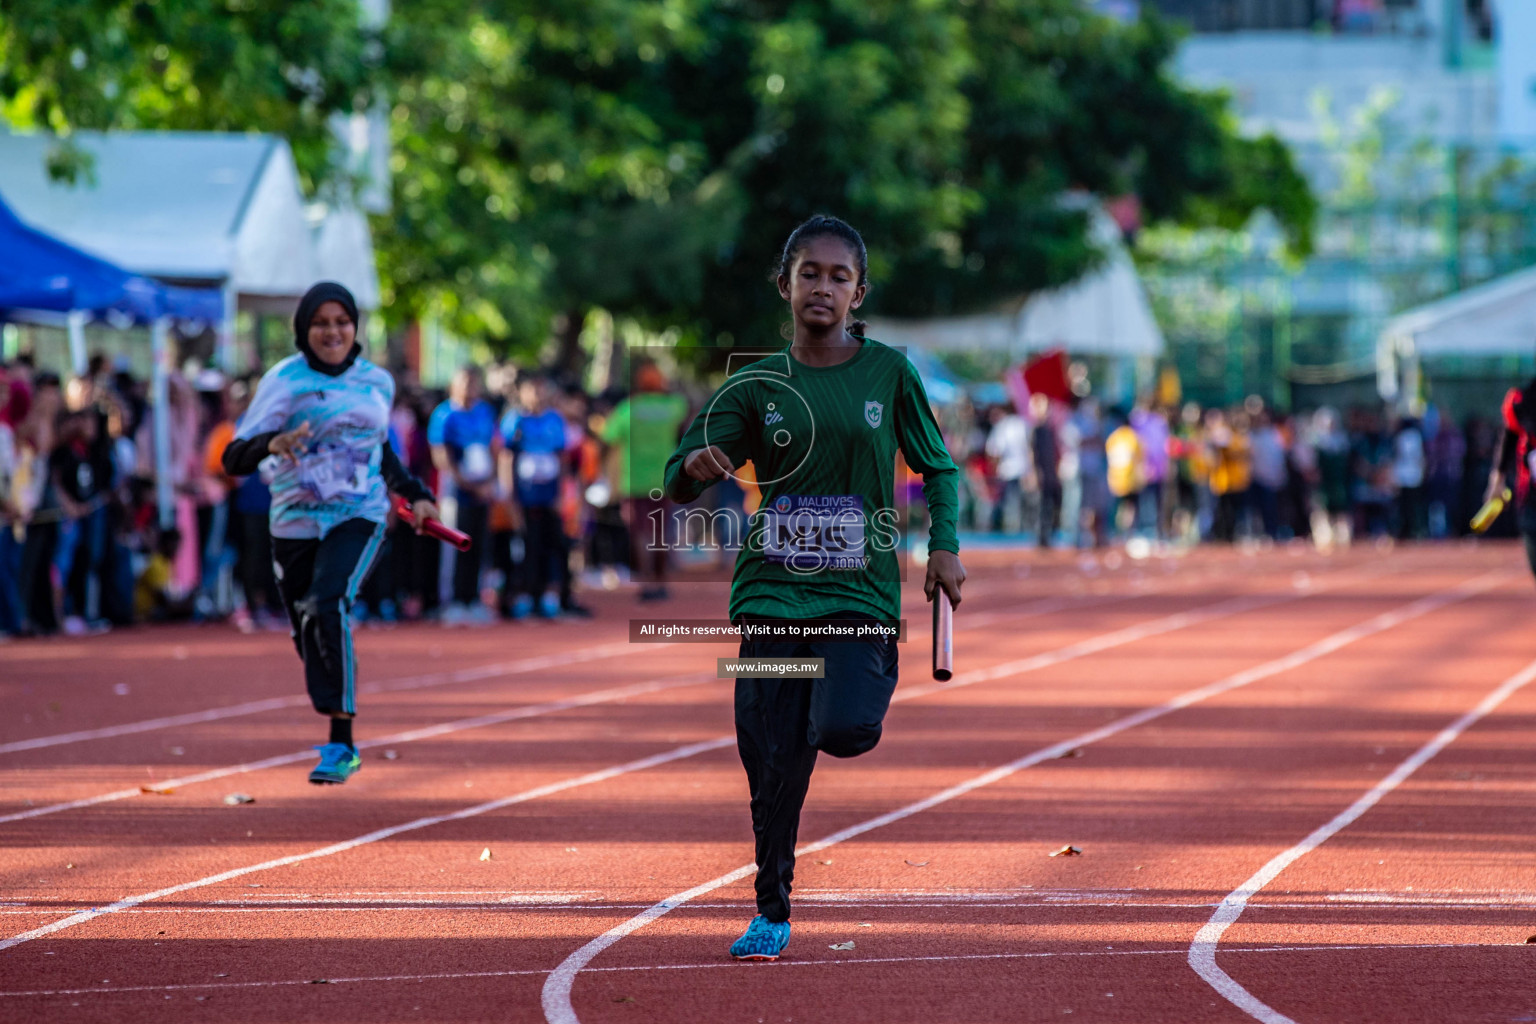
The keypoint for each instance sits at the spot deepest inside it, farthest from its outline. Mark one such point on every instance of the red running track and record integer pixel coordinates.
(1222, 708)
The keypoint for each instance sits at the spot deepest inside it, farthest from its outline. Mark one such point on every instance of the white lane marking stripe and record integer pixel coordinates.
(556, 996)
(681, 752)
(506, 668)
(1202, 952)
(601, 775)
(426, 732)
(727, 965)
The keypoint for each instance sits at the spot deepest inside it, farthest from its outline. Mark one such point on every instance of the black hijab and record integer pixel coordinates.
(309, 305)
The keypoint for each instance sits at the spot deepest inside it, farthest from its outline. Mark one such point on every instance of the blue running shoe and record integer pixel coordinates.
(337, 763)
(763, 940)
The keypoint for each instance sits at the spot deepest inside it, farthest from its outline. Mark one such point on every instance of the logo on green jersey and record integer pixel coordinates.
(873, 411)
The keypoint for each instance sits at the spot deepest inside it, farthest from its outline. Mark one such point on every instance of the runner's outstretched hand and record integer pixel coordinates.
(944, 570)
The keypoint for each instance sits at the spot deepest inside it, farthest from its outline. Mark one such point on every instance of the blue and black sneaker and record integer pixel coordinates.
(763, 940)
(337, 763)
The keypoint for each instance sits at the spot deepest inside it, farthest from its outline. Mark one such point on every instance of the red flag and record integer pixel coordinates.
(1047, 375)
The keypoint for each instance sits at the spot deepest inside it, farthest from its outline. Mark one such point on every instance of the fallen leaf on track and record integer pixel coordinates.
(1066, 851)
(823, 862)
(1074, 752)
(918, 863)
(239, 798)
(157, 790)
(624, 999)
(842, 945)
(485, 854)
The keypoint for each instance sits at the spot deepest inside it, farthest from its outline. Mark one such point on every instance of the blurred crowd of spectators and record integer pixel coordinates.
(558, 489)
(544, 477)
(1082, 476)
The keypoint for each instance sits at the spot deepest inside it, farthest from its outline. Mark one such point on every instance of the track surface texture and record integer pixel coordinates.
(1302, 787)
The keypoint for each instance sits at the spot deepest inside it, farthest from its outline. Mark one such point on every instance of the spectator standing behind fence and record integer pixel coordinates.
(1332, 523)
(1269, 472)
(1008, 446)
(1045, 452)
(641, 433)
(1231, 467)
(1446, 450)
(1408, 471)
(533, 461)
(462, 433)
(1151, 427)
(10, 517)
(1126, 472)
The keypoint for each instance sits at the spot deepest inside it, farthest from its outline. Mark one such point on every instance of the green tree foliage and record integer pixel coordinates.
(233, 65)
(648, 157)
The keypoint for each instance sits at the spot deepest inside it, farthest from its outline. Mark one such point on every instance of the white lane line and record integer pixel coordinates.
(720, 965)
(427, 732)
(256, 707)
(602, 775)
(556, 996)
(1077, 650)
(1202, 952)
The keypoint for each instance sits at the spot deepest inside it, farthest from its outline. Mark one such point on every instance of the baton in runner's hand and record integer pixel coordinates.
(1490, 511)
(434, 527)
(943, 635)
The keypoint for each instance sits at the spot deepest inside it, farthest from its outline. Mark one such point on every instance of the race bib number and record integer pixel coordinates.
(475, 464)
(809, 533)
(538, 467)
(333, 474)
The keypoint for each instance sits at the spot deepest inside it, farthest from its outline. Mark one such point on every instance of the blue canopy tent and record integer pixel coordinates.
(39, 273)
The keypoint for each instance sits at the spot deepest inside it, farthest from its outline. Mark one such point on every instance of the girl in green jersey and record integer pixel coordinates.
(822, 423)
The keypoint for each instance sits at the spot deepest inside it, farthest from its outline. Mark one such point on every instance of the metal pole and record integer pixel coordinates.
(165, 498)
(78, 359)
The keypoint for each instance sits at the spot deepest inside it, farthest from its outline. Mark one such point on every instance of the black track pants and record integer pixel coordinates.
(781, 724)
(319, 580)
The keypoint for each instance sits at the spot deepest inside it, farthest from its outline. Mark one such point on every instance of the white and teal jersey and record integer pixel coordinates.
(338, 477)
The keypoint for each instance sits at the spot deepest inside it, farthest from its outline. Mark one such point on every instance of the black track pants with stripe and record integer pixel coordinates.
(319, 580)
(781, 725)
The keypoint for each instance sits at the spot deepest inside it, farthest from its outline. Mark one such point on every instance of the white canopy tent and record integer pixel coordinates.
(198, 208)
(1105, 313)
(1493, 319)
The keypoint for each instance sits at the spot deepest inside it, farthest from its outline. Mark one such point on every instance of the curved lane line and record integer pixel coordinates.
(1202, 952)
(556, 995)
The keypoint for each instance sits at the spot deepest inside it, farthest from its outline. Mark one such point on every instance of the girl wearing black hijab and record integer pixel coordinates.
(318, 429)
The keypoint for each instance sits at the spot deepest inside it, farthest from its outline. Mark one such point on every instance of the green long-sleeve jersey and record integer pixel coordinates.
(822, 442)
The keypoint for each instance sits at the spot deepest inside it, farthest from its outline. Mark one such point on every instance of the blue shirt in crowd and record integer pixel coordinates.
(467, 435)
(539, 441)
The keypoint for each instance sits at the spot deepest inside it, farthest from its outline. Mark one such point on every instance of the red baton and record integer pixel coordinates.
(943, 635)
(434, 527)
